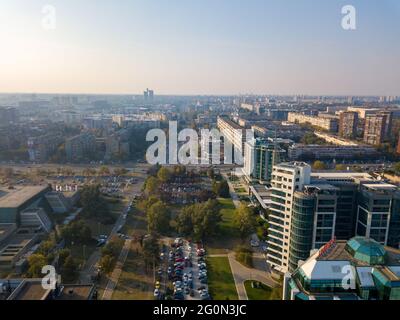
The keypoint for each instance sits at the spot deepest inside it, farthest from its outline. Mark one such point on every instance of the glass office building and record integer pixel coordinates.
(359, 269)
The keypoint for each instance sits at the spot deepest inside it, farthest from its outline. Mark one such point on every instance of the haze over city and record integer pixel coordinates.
(199, 151)
(200, 47)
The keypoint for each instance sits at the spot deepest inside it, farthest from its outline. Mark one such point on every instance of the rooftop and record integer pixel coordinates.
(30, 290)
(76, 292)
(19, 197)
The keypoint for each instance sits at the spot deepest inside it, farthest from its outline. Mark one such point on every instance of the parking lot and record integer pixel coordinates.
(183, 269)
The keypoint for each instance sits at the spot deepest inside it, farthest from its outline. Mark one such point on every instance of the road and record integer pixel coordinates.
(113, 281)
(91, 264)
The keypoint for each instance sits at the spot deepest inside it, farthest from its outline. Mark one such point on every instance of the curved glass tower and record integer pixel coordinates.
(302, 228)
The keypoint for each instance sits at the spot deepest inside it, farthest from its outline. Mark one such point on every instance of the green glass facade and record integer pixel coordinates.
(301, 238)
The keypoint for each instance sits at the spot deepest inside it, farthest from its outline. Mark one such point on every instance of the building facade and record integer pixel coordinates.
(260, 157)
(329, 123)
(348, 122)
(80, 147)
(375, 129)
(358, 269)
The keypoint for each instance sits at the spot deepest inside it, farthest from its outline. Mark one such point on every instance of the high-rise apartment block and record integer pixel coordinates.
(375, 128)
(348, 124)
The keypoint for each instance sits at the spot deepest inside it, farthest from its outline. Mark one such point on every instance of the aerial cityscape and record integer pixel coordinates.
(156, 150)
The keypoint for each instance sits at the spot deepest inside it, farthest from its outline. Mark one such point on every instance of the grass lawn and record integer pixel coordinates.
(220, 280)
(263, 292)
(134, 283)
(229, 235)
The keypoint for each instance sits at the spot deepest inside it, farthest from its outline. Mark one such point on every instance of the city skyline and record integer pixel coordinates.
(204, 48)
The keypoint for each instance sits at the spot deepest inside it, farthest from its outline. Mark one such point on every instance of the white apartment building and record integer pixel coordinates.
(326, 122)
(287, 178)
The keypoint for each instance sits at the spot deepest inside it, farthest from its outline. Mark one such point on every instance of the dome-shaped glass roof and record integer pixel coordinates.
(366, 250)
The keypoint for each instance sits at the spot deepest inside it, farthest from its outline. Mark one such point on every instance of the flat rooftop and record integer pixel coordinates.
(231, 123)
(76, 292)
(18, 197)
(341, 175)
(30, 290)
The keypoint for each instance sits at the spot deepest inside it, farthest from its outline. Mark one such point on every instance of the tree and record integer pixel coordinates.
(36, 263)
(158, 218)
(77, 232)
(70, 269)
(221, 189)
(62, 256)
(164, 175)
(396, 167)
(151, 250)
(200, 220)
(340, 167)
(45, 247)
(104, 170)
(113, 247)
(184, 221)
(145, 204)
(107, 263)
(210, 173)
(319, 165)
(92, 202)
(151, 186)
(244, 220)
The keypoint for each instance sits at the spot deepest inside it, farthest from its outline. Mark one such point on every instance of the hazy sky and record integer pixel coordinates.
(200, 47)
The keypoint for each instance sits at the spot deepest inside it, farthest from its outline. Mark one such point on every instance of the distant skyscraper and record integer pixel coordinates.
(148, 95)
(348, 124)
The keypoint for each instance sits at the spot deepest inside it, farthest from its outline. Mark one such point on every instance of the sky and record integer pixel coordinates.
(200, 47)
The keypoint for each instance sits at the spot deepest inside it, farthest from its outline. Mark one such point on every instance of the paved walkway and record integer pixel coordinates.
(113, 281)
(241, 274)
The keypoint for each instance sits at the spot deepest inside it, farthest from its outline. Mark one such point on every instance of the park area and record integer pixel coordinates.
(220, 283)
(258, 291)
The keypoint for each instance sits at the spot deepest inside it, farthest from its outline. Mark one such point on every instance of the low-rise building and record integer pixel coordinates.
(359, 269)
(326, 122)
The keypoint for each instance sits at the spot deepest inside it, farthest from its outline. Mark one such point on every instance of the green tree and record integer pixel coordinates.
(36, 263)
(319, 165)
(244, 220)
(104, 171)
(70, 269)
(62, 256)
(158, 218)
(396, 167)
(340, 167)
(152, 185)
(151, 250)
(164, 175)
(184, 221)
(77, 232)
(221, 189)
(107, 263)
